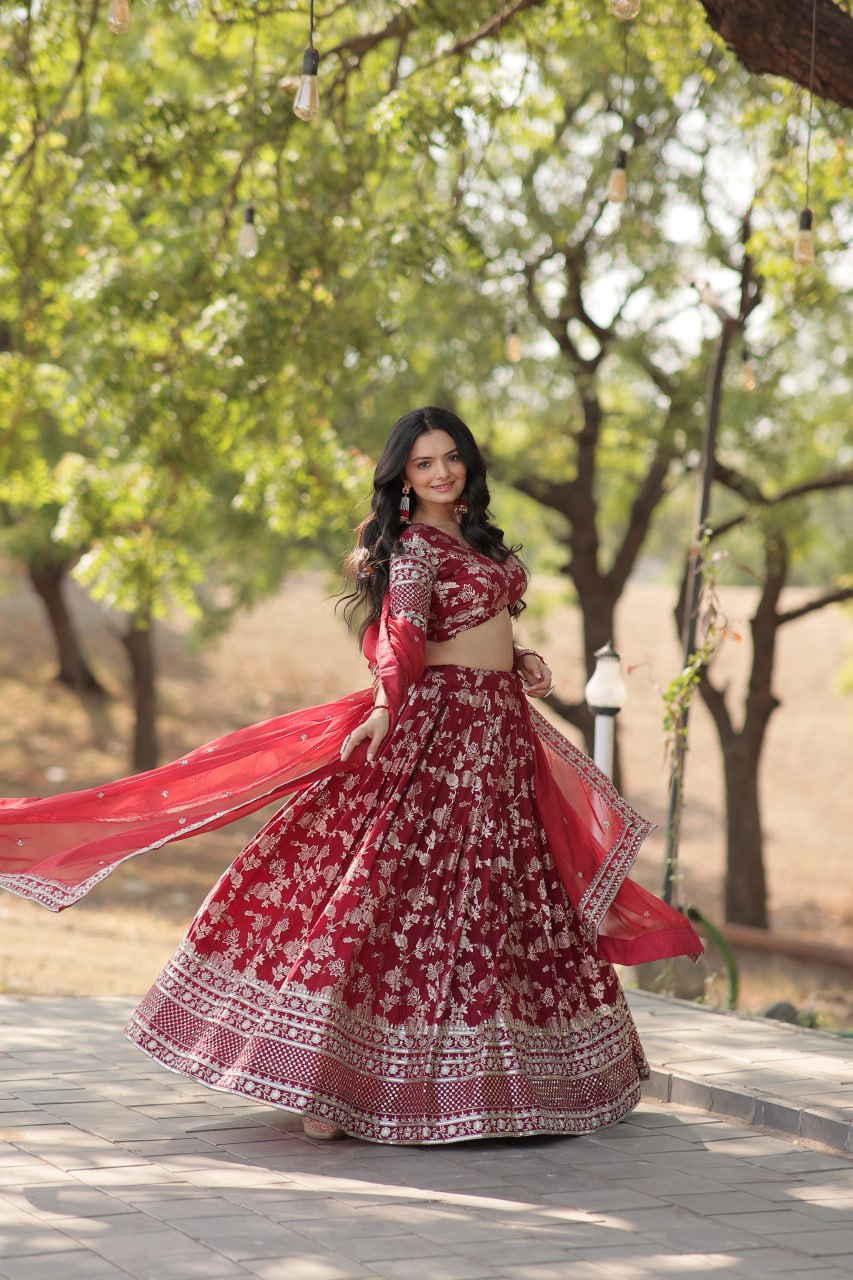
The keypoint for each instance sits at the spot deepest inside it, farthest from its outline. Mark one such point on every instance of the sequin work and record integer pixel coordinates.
(396, 953)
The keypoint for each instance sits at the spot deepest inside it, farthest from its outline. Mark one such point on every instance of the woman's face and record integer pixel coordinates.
(436, 472)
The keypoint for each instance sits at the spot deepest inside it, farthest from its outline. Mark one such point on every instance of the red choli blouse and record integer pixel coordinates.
(438, 588)
(444, 586)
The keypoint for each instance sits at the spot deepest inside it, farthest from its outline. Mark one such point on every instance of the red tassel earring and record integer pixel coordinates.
(461, 507)
(404, 503)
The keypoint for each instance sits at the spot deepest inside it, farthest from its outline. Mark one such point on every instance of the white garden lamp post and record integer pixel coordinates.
(605, 694)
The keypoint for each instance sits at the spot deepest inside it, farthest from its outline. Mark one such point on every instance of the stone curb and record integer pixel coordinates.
(826, 1126)
(751, 1107)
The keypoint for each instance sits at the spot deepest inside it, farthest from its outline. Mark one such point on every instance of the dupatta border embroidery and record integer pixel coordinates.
(622, 854)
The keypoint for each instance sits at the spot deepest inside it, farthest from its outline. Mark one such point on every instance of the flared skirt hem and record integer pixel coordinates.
(402, 1084)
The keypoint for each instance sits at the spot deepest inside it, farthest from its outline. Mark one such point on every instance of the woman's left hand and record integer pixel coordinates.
(537, 677)
(373, 729)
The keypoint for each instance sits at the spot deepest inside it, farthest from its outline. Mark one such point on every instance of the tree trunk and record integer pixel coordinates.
(770, 38)
(138, 642)
(48, 578)
(746, 886)
(746, 883)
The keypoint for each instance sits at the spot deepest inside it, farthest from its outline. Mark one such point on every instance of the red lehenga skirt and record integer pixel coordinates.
(395, 951)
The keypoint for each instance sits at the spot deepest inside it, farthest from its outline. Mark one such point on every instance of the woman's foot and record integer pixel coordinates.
(319, 1129)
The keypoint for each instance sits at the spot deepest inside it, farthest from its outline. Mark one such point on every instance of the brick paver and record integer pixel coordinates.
(111, 1167)
(795, 1082)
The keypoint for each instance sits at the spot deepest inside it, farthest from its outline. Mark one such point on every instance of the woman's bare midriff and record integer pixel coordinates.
(488, 646)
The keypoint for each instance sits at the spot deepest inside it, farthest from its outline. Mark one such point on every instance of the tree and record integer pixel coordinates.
(130, 422)
(208, 397)
(782, 532)
(188, 443)
(773, 39)
(602, 417)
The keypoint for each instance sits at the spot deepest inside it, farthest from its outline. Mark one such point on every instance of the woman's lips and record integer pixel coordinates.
(442, 488)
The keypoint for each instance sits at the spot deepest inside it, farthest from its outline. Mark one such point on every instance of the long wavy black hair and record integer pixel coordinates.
(367, 567)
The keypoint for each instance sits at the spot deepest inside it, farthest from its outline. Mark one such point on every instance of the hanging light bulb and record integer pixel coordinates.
(306, 105)
(118, 17)
(307, 102)
(617, 186)
(247, 240)
(748, 379)
(513, 346)
(804, 242)
(625, 10)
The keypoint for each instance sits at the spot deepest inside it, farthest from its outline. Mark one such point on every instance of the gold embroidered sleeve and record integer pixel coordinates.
(410, 588)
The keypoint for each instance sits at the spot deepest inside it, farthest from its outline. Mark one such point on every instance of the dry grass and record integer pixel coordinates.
(293, 652)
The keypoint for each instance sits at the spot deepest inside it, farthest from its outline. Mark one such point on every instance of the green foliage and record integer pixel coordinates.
(192, 421)
(711, 630)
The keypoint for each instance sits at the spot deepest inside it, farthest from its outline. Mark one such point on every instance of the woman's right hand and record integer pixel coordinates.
(374, 729)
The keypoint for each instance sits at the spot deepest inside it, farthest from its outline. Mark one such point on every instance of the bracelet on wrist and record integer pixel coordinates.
(523, 653)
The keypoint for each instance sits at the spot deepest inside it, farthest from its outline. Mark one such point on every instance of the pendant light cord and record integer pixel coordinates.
(811, 100)
(311, 24)
(624, 74)
(254, 83)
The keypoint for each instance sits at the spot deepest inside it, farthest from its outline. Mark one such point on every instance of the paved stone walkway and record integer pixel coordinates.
(794, 1082)
(111, 1168)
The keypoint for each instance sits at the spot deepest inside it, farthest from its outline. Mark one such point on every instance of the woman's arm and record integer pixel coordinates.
(399, 646)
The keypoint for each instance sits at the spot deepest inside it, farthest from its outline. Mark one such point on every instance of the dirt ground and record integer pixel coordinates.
(293, 651)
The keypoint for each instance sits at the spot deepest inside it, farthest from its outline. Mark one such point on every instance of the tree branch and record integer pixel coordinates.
(812, 606)
(40, 126)
(491, 28)
(353, 51)
(557, 497)
(743, 485)
(769, 38)
(747, 489)
(649, 495)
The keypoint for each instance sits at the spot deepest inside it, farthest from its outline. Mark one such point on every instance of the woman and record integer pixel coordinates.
(417, 948)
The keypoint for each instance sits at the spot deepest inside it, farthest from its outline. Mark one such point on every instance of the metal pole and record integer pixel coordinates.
(691, 599)
(604, 744)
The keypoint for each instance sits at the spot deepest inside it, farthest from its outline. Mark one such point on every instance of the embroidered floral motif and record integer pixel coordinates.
(395, 950)
(411, 588)
(308, 1053)
(449, 584)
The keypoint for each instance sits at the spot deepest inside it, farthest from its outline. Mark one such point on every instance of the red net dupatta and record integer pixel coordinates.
(55, 849)
(595, 836)
(394, 647)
